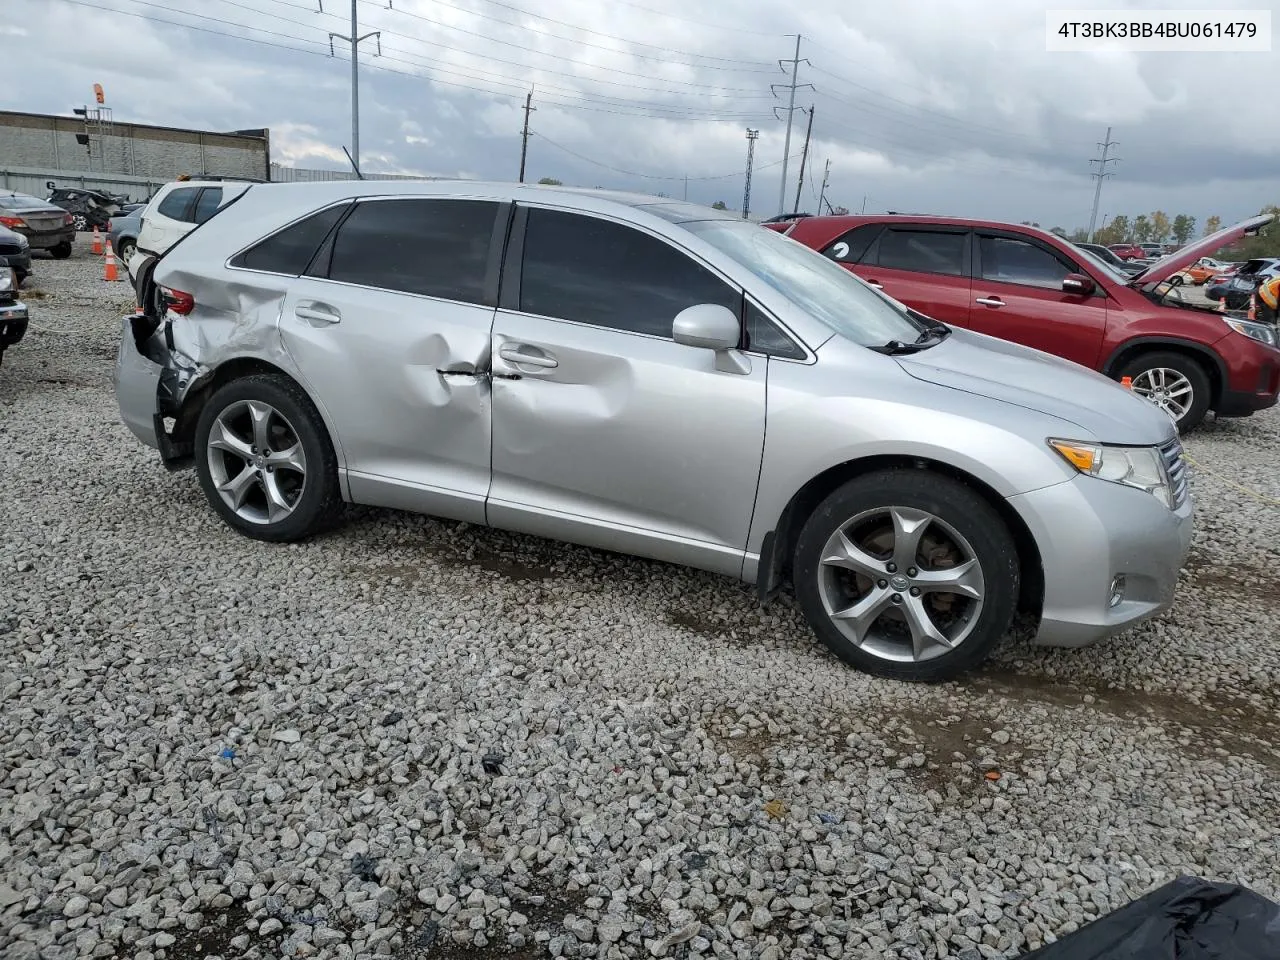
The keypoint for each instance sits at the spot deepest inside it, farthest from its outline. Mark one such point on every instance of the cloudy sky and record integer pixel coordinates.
(943, 106)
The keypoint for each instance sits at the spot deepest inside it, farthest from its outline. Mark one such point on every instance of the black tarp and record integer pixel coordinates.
(1186, 919)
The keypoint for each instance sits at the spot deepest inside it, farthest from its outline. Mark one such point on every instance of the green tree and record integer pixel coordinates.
(719, 205)
(1183, 227)
(551, 182)
(1079, 235)
(1212, 225)
(1029, 223)
(1117, 231)
(1141, 228)
(1059, 231)
(1160, 226)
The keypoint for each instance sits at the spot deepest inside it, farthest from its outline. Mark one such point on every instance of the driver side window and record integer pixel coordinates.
(610, 275)
(1006, 260)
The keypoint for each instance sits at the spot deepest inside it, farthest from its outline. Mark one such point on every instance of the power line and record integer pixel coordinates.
(639, 56)
(700, 23)
(584, 105)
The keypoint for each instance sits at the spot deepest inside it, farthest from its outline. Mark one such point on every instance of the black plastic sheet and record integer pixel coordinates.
(1186, 919)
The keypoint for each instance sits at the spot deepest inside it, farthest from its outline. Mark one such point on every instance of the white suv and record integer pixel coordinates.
(179, 207)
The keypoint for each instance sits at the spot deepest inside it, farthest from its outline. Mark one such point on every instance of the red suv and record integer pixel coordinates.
(1128, 251)
(1026, 285)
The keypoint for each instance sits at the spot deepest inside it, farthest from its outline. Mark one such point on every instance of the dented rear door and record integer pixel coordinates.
(393, 341)
(606, 431)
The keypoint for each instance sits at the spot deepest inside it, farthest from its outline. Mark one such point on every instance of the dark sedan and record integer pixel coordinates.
(46, 227)
(15, 253)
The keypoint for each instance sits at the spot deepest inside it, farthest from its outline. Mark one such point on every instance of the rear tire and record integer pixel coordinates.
(61, 251)
(871, 564)
(127, 247)
(1163, 377)
(265, 461)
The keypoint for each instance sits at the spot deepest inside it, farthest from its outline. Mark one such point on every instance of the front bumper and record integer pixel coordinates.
(13, 323)
(1089, 531)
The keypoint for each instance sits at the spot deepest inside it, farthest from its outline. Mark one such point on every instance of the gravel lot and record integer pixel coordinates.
(420, 739)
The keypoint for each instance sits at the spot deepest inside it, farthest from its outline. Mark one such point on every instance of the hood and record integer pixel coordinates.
(1104, 410)
(1165, 268)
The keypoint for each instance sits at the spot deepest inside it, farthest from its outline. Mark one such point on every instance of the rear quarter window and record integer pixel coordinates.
(290, 250)
(177, 205)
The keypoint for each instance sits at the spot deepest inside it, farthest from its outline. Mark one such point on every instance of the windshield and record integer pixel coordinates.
(822, 288)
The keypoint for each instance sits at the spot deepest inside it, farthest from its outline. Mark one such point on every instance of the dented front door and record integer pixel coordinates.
(401, 380)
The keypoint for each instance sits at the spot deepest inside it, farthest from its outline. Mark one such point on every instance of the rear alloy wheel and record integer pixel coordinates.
(1175, 383)
(126, 249)
(264, 460)
(907, 574)
(79, 221)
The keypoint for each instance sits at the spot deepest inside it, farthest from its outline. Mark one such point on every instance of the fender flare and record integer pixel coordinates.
(1199, 349)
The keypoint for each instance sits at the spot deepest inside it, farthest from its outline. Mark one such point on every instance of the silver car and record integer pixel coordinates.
(660, 379)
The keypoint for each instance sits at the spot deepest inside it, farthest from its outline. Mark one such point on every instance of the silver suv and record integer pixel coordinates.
(659, 379)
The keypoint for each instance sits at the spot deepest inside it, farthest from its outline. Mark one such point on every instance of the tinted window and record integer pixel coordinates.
(207, 205)
(1016, 261)
(437, 248)
(177, 203)
(290, 250)
(764, 336)
(593, 271)
(923, 251)
(852, 247)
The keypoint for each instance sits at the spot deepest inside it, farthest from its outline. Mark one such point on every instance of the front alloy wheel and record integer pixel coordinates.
(1167, 389)
(908, 574)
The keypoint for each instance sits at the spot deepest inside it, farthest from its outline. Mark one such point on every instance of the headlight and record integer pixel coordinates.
(7, 281)
(1254, 331)
(1140, 467)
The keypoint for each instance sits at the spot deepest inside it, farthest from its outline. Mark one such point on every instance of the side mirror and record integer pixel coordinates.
(1078, 284)
(711, 326)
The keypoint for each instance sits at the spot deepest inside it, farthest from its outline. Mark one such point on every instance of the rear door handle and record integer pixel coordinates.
(991, 301)
(316, 314)
(875, 283)
(516, 355)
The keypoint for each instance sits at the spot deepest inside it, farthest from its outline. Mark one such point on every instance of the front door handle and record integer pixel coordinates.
(316, 314)
(991, 301)
(516, 355)
(875, 283)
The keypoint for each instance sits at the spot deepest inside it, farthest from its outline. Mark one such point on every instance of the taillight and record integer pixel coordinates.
(16, 222)
(68, 219)
(177, 301)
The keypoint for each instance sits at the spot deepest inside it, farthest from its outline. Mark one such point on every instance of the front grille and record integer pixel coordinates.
(1176, 467)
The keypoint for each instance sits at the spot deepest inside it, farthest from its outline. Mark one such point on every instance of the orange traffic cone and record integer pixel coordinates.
(97, 241)
(1126, 382)
(109, 272)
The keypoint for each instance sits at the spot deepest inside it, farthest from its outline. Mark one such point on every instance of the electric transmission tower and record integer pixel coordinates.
(752, 137)
(1101, 175)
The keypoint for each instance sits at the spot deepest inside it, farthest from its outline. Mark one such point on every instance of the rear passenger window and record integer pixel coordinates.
(289, 251)
(207, 205)
(852, 247)
(923, 251)
(177, 204)
(1006, 260)
(436, 248)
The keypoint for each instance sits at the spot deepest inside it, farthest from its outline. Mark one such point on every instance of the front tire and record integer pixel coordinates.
(127, 247)
(265, 461)
(907, 574)
(1175, 383)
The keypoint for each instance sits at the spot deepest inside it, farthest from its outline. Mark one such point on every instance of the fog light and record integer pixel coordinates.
(1117, 590)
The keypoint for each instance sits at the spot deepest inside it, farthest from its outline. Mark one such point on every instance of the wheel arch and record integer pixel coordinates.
(1212, 363)
(779, 545)
(187, 416)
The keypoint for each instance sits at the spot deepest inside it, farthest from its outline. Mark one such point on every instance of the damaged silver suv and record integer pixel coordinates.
(659, 379)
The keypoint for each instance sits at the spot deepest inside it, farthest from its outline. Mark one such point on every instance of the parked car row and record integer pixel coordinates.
(600, 367)
(1234, 289)
(45, 226)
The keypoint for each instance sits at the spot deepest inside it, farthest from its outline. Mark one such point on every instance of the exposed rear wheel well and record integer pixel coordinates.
(776, 568)
(1207, 362)
(183, 433)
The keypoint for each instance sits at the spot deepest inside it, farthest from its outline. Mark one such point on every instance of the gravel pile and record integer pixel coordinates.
(414, 738)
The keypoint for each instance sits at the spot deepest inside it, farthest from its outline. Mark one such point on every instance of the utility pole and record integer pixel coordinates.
(791, 110)
(826, 176)
(804, 158)
(355, 40)
(1102, 174)
(686, 186)
(752, 136)
(524, 137)
(864, 203)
